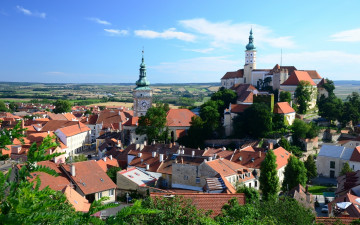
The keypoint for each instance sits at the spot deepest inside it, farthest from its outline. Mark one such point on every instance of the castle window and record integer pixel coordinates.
(251, 54)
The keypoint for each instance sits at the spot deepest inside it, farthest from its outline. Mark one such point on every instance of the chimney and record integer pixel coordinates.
(153, 142)
(153, 154)
(139, 154)
(147, 166)
(137, 146)
(141, 147)
(215, 155)
(182, 152)
(161, 157)
(16, 149)
(178, 152)
(72, 168)
(119, 113)
(271, 146)
(259, 154)
(193, 153)
(22, 126)
(223, 148)
(104, 159)
(87, 119)
(110, 157)
(291, 103)
(209, 158)
(145, 143)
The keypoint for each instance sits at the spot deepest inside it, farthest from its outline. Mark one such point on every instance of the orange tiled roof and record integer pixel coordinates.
(282, 157)
(89, 177)
(179, 118)
(133, 121)
(249, 159)
(356, 155)
(80, 203)
(207, 201)
(74, 129)
(235, 74)
(313, 74)
(283, 108)
(297, 76)
(236, 108)
(105, 165)
(224, 167)
(53, 125)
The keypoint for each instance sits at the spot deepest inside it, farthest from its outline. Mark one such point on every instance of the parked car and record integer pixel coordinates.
(325, 209)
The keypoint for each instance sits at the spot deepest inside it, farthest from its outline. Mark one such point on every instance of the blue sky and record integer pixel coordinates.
(185, 41)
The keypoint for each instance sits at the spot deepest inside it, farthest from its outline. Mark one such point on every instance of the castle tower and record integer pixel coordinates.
(142, 94)
(250, 59)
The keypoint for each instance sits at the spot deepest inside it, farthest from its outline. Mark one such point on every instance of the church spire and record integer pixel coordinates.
(250, 45)
(142, 82)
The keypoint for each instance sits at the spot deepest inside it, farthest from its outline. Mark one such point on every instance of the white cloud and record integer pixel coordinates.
(347, 36)
(224, 33)
(200, 69)
(115, 32)
(205, 50)
(99, 21)
(167, 34)
(29, 13)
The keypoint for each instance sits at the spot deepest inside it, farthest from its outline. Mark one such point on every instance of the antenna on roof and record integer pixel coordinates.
(281, 58)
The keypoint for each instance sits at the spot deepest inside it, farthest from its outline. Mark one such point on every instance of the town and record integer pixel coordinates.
(271, 146)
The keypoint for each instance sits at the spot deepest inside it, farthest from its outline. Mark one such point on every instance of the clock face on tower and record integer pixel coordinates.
(144, 104)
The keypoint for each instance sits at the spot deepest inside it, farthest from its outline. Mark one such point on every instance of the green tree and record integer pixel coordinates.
(227, 96)
(3, 107)
(346, 169)
(300, 129)
(251, 194)
(7, 136)
(13, 107)
(330, 108)
(258, 120)
(112, 171)
(329, 87)
(62, 106)
(294, 174)
(153, 124)
(279, 122)
(351, 109)
(285, 96)
(210, 116)
(269, 180)
(284, 143)
(284, 211)
(310, 165)
(76, 158)
(196, 134)
(303, 95)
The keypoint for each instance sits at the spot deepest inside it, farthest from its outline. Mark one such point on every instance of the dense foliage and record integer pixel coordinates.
(310, 165)
(346, 169)
(303, 95)
(153, 124)
(62, 106)
(251, 194)
(285, 96)
(112, 171)
(269, 180)
(294, 174)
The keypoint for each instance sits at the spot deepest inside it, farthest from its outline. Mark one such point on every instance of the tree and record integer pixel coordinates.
(284, 211)
(251, 194)
(13, 107)
(62, 106)
(210, 116)
(196, 134)
(310, 165)
(269, 180)
(285, 96)
(227, 96)
(346, 169)
(153, 124)
(329, 87)
(112, 171)
(300, 129)
(351, 109)
(258, 120)
(303, 95)
(3, 107)
(76, 158)
(330, 108)
(294, 174)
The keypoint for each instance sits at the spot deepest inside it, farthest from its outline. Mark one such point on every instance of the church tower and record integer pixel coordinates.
(250, 59)
(142, 94)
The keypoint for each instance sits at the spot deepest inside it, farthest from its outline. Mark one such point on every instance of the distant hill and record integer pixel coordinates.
(347, 82)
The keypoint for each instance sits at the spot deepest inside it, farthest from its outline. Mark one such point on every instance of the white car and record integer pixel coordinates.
(325, 209)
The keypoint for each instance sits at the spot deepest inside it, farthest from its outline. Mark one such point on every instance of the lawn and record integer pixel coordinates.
(318, 190)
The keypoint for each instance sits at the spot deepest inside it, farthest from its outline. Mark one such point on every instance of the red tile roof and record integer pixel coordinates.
(105, 165)
(179, 118)
(224, 167)
(283, 108)
(80, 203)
(335, 220)
(356, 155)
(236, 108)
(74, 129)
(133, 121)
(249, 159)
(282, 157)
(297, 76)
(235, 74)
(206, 201)
(313, 74)
(89, 177)
(108, 117)
(53, 125)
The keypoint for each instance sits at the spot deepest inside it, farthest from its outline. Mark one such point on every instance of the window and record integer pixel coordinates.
(249, 185)
(111, 192)
(99, 195)
(198, 180)
(354, 167)
(255, 183)
(186, 177)
(332, 164)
